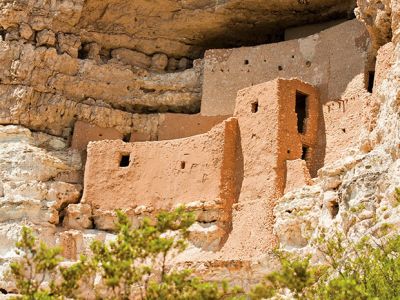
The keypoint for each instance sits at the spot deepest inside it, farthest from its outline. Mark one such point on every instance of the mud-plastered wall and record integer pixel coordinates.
(146, 177)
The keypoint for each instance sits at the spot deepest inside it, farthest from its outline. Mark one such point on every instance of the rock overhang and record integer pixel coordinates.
(187, 28)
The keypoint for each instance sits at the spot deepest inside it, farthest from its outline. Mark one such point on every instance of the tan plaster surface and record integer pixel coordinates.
(85, 133)
(162, 175)
(318, 59)
(174, 126)
(297, 175)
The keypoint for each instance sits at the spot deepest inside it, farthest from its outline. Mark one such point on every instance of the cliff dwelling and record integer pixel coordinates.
(226, 108)
(260, 133)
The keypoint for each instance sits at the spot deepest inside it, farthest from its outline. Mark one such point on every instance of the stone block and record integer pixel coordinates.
(131, 57)
(159, 61)
(69, 43)
(78, 216)
(70, 242)
(46, 38)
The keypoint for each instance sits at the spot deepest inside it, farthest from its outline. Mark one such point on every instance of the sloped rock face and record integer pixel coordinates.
(38, 175)
(356, 195)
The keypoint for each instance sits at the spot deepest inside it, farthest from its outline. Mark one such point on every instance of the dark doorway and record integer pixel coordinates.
(304, 155)
(254, 107)
(301, 111)
(371, 79)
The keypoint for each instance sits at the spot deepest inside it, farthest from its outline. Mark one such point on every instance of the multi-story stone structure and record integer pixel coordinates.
(244, 160)
(108, 118)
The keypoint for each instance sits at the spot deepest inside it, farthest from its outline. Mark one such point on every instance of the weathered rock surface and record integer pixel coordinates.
(30, 194)
(356, 195)
(111, 63)
(47, 72)
(176, 28)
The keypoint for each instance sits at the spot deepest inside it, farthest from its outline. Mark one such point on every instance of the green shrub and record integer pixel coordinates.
(366, 270)
(40, 263)
(133, 265)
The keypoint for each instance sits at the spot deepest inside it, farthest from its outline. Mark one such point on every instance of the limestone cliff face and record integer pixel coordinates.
(122, 64)
(176, 28)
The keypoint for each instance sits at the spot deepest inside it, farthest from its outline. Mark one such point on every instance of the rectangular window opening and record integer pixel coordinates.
(125, 160)
(254, 107)
(301, 111)
(304, 155)
(371, 79)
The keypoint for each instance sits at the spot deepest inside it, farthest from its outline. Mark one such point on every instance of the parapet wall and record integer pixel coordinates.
(155, 176)
(328, 60)
(85, 133)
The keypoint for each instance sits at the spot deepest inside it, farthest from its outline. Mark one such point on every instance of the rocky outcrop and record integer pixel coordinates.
(174, 28)
(356, 195)
(117, 85)
(32, 167)
(39, 178)
(377, 16)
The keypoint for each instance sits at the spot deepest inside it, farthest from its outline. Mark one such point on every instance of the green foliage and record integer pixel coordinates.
(137, 255)
(133, 265)
(366, 270)
(296, 275)
(40, 263)
(183, 286)
(397, 196)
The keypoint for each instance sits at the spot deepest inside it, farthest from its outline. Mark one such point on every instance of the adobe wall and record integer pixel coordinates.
(163, 174)
(169, 127)
(175, 126)
(344, 122)
(328, 60)
(299, 32)
(85, 133)
(269, 137)
(259, 135)
(292, 143)
(297, 175)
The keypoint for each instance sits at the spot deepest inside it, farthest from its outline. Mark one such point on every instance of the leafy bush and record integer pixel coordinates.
(133, 265)
(366, 270)
(40, 263)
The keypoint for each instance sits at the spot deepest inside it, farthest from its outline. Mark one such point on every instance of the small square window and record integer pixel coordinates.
(125, 160)
(254, 107)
